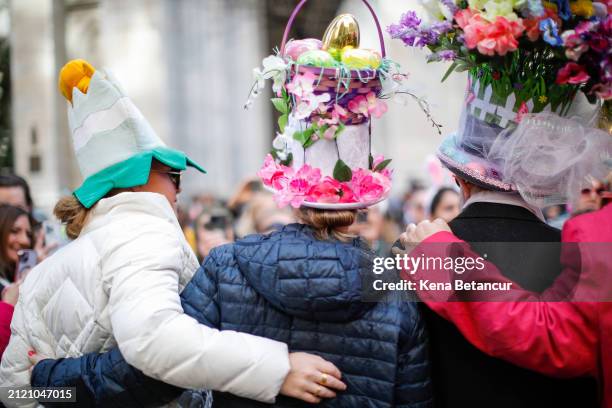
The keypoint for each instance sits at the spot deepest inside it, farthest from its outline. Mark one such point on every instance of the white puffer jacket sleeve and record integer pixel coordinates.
(155, 335)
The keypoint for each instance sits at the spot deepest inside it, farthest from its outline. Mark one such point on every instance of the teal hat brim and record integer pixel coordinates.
(130, 173)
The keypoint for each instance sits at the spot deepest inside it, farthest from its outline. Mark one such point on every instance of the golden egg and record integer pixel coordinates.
(341, 32)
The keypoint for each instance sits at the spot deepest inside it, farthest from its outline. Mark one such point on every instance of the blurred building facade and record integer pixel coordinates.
(180, 61)
(187, 64)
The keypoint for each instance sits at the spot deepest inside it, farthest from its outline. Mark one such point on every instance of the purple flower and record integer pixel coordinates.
(409, 30)
(442, 27)
(407, 25)
(410, 20)
(447, 55)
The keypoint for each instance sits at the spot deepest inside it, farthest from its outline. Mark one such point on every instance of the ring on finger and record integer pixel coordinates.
(323, 379)
(318, 392)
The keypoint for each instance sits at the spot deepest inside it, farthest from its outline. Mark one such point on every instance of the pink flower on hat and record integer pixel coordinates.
(572, 73)
(330, 190)
(369, 186)
(463, 17)
(496, 37)
(298, 187)
(367, 105)
(359, 105)
(302, 85)
(274, 175)
(522, 111)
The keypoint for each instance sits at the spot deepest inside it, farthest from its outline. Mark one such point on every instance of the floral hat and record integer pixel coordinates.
(327, 95)
(527, 62)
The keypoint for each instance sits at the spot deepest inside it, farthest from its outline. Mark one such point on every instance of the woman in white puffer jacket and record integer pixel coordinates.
(118, 282)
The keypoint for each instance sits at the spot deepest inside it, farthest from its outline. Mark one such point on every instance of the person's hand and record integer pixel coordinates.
(210, 240)
(42, 250)
(34, 358)
(311, 378)
(10, 293)
(416, 234)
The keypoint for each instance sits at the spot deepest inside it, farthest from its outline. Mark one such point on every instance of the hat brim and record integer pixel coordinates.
(473, 176)
(130, 173)
(336, 206)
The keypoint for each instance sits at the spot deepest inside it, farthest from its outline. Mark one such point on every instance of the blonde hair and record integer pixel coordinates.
(328, 224)
(71, 212)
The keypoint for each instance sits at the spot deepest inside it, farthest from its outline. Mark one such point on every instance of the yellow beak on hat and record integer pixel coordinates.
(76, 73)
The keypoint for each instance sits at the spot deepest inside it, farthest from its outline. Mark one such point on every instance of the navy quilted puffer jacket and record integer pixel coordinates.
(291, 287)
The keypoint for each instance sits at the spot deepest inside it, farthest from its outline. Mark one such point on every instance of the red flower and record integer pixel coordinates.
(532, 25)
(572, 73)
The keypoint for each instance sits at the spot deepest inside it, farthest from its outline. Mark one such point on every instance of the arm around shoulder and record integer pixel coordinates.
(155, 336)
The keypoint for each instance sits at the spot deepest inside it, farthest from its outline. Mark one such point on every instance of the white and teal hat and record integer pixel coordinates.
(113, 141)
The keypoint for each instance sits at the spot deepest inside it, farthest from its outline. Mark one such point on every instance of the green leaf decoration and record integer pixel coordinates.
(288, 160)
(340, 129)
(321, 130)
(305, 136)
(342, 172)
(282, 122)
(280, 104)
(449, 71)
(309, 142)
(382, 165)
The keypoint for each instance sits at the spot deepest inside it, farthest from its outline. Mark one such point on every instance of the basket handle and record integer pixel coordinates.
(297, 9)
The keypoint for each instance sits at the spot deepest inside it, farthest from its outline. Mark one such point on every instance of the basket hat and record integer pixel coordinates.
(113, 142)
(322, 156)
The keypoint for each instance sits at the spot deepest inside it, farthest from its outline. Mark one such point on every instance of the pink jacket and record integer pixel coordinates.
(561, 339)
(6, 315)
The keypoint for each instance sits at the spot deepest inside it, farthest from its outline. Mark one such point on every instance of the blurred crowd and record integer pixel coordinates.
(27, 237)
(210, 221)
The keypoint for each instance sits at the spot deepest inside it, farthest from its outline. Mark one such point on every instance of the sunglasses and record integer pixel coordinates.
(174, 176)
(588, 191)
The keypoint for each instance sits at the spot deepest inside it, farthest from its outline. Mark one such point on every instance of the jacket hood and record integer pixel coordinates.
(306, 277)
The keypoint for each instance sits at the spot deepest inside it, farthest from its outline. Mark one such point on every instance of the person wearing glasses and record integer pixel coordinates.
(590, 198)
(116, 286)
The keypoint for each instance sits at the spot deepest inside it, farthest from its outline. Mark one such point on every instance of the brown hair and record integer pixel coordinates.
(8, 216)
(71, 212)
(328, 224)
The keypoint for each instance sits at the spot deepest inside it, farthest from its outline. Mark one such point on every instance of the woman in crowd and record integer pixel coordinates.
(445, 204)
(118, 282)
(15, 236)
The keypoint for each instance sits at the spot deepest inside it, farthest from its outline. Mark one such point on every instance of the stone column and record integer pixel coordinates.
(33, 81)
(210, 49)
